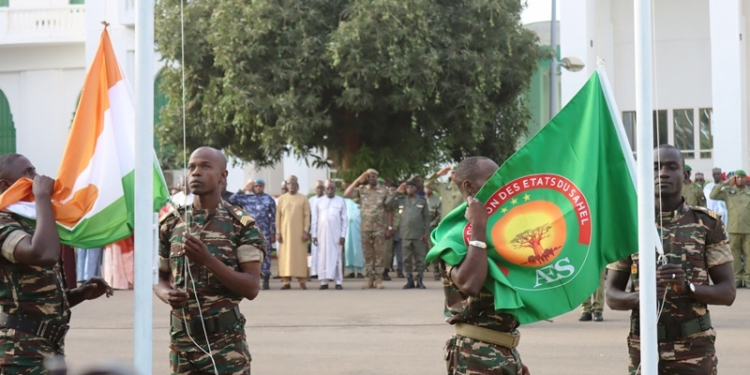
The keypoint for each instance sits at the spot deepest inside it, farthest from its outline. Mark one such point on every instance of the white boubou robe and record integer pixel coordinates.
(329, 225)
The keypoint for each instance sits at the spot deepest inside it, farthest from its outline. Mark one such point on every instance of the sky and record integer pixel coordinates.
(539, 10)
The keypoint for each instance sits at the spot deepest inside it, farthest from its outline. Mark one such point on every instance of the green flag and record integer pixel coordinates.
(561, 208)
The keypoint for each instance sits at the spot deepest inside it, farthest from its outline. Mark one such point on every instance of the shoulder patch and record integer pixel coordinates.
(173, 212)
(240, 215)
(706, 211)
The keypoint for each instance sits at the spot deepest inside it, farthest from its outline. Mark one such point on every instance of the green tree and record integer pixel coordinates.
(398, 86)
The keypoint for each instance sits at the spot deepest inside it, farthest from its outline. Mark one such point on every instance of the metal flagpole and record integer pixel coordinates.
(553, 63)
(144, 186)
(645, 165)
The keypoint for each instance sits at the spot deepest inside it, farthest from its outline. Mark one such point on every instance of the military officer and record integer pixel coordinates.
(698, 273)
(210, 256)
(736, 194)
(262, 208)
(35, 300)
(414, 227)
(371, 197)
(693, 191)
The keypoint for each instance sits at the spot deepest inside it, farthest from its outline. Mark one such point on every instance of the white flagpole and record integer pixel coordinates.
(645, 165)
(144, 187)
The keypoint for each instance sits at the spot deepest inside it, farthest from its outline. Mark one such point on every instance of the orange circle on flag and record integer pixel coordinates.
(531, 234)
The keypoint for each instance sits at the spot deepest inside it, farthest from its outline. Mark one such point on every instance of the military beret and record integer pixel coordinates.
(740, 172)
(412, 183)
(687, 168)
(371, 171)
(381, 180)
(259, 181)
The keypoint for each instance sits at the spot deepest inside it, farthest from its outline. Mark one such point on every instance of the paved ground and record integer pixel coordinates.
(391, 331)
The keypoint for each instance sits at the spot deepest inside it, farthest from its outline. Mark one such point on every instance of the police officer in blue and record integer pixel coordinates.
(262, 208)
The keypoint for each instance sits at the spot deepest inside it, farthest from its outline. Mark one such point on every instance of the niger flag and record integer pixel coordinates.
(94, 190)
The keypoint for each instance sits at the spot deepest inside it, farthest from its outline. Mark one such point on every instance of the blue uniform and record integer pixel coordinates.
(262, 208)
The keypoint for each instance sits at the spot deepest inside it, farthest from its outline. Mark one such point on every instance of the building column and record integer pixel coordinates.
(728, 123)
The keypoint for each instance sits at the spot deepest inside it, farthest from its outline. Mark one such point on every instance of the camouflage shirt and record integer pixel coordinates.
(372, 206)
(693, 237)
(479, 311)
(436, 206)
(230, 235)
(32, 292)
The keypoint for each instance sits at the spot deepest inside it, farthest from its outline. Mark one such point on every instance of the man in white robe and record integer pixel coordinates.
(319, 189)
(328, 228)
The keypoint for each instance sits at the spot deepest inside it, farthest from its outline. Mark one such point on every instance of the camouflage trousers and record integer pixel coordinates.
(692, 356)
(595, 303)
(373, 249)
(466, 356)
(232, 358)
(22, 353)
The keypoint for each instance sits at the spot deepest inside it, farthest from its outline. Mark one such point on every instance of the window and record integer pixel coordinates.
(684, 132)
(706, 139)
(628, 121)
(661, 130)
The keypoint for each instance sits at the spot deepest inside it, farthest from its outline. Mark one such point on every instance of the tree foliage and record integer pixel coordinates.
(398, 86)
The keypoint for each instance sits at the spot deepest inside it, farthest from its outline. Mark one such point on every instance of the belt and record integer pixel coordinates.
(508, 340)
(214, 324)
(673, 331)
(53, 333)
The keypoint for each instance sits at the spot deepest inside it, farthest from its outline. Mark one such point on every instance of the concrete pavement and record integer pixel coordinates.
(390, 331)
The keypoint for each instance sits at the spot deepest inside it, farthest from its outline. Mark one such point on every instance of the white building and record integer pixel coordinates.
(700, 71)
(45, 47)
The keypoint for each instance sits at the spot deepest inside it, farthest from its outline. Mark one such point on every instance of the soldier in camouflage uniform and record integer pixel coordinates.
(736, 194)
(262, 208)
(485, 340)
(698, 273)
(209, 260)
(371, 197)
(693, 191)
(34, 297)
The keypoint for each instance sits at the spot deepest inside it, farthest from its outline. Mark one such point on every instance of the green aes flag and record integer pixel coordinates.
(561, 208)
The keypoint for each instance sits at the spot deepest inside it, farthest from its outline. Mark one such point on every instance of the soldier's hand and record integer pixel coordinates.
(732, 181)
(278, 238)
(476, 213)
(671, 275)
(94, 288)
(402, 188)
(315, 241)
(273, 238)
(196, 250)
(389, 234)
(444, 171)
(424, 238)
(525, 370)
(305, 236)
(42, 186)
(341, 241)
(177, 298)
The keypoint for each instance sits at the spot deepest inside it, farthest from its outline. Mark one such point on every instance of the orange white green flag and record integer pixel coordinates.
(93, 197)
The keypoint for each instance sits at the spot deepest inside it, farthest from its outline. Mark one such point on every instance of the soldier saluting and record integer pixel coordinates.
(212, 252)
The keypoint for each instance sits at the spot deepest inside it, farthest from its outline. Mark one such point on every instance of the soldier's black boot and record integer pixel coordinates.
(385, 275)
(420, 285)
(409, 282)
(265, 285)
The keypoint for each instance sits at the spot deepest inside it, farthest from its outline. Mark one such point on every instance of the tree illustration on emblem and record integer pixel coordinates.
(532, 238)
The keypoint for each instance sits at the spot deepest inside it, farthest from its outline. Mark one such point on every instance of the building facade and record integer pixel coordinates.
(700, 71)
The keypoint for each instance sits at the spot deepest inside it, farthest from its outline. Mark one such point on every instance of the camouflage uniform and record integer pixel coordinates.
(372, 228)
(465, 355)
(693, 237)
(693, 195)
(414, 224)
(231, 236)
(738, 227)
(262, 208)
(33, 293)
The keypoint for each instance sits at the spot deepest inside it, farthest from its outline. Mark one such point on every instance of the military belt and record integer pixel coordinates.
(508, 340)
(53, 333)
(671, 332)
(213, 325)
